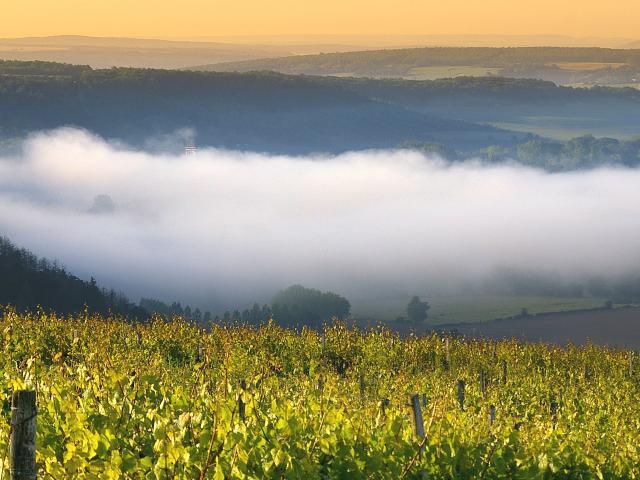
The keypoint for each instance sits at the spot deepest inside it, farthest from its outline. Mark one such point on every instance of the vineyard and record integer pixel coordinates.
(168, 400)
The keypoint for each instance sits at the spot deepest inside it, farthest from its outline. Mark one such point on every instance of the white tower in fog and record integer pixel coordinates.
(190, 149)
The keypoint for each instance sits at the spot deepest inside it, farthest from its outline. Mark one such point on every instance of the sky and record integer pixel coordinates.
(228, 228)
(211, 18)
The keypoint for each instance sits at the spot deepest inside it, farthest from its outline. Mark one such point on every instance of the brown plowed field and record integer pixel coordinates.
(616, 328)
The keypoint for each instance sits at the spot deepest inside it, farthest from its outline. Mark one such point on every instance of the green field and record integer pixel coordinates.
(566, 128)
(468, 309)
(587, 66)
(449, 71)
(626, 85)
(612, 85)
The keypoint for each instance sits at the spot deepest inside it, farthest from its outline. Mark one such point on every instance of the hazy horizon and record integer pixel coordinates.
(368, 41)
(327, 17)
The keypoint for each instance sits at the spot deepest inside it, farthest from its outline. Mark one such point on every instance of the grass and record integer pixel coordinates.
(469, 309)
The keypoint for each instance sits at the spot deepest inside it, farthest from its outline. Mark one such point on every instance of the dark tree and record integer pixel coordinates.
(297, 306)
(417, 310)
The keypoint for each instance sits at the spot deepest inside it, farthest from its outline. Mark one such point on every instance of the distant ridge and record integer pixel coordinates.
(400, 41)
(561, 65)
(415, 57)
(106, 52)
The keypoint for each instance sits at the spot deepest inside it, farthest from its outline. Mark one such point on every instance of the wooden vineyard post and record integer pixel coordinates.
(418, 422)
(384, 404)
(483, 383)
(461, 394)
(504, 371)
(492, 415)
(447, 353)
(630, 363)
(241, 406)
(23, 435)
(362, 385)
(553, 408)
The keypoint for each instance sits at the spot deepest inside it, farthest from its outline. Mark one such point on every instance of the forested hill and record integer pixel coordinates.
(41, 69)
(28, 282)
(277, 113)
(264, 112)
(399, 62)
(490, 98)
(563, 65)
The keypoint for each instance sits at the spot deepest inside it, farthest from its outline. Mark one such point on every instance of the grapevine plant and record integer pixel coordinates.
(171, 400)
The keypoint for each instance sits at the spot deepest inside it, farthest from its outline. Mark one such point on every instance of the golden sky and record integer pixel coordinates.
(193, 18)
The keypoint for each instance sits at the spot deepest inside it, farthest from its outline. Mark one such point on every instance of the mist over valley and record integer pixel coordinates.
(221, 229)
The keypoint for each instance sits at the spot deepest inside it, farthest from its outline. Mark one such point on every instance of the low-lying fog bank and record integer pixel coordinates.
(220, 228)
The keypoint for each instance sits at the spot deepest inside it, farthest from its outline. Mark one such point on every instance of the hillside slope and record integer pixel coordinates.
(27, 282)
(279, 113)
(264, 112)
(566, 66)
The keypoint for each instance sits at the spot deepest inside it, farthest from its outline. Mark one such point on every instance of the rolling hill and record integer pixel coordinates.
(563, 65)
(279, 113)
(264, 112)
(30, 282)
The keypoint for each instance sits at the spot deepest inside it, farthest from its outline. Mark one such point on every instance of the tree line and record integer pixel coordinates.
(578, 153)
(293, 307)
(399, 62)
(28, 282)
